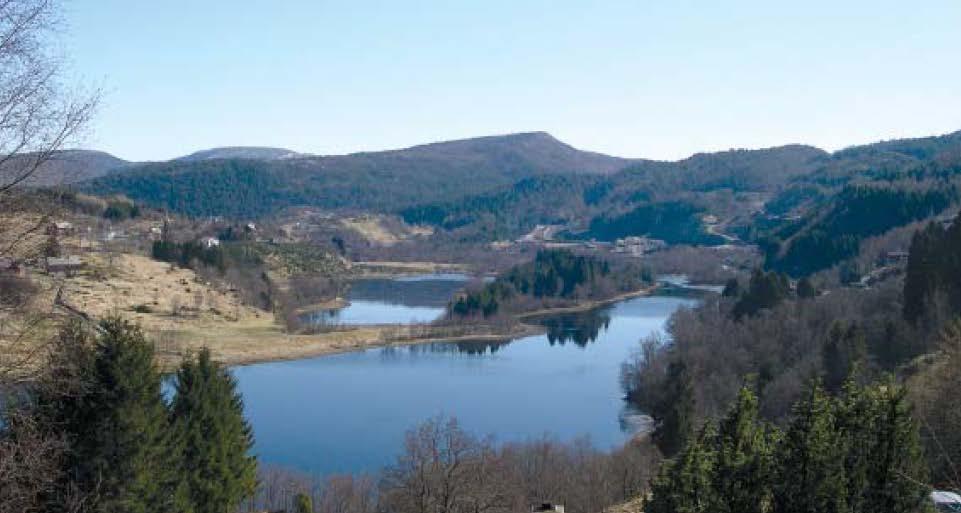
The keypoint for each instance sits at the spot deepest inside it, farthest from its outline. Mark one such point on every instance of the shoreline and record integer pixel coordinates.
(274, 345)
(393, 269)
(589, 305)
(331, 304)
(278, 346)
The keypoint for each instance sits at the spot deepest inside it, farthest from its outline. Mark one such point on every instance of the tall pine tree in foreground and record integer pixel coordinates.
(811, 473)
(116, 423)
(744, 459)
(215, 440)
(896, 469)
(684, 483)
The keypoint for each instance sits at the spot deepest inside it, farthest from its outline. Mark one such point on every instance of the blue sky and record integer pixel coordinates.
(634, 78)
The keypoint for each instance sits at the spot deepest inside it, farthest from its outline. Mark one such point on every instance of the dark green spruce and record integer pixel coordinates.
(214, 439)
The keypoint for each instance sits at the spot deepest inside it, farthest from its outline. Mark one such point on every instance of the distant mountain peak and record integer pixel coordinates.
(242, 152)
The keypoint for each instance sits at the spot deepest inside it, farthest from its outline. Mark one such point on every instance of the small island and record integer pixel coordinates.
(557, 280)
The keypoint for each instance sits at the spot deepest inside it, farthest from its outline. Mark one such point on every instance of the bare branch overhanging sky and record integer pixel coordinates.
(631, 78)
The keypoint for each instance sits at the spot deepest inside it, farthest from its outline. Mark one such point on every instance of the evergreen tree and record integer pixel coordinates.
(766, 290)
(303, 503)
(743, 459)
(921, 273)
(732, 288)
(805, 289)
(217, 468)
(684, 485)
(856, 421)
(844, 349)
(675, 411)
(116, 424)
(895, 468)
(811, 474)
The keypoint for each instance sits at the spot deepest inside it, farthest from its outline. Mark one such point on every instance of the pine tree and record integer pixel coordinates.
(842, 352)
(811, 476)
(217, 468)
(895, 468)
(805, 289)
(732, 288)
(303, 503)
(742, 472)
(923, 274)
(675, 412)
(116, 424)
(684, 485)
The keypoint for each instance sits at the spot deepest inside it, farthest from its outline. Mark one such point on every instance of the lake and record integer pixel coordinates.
(348, 413)
(404, 300)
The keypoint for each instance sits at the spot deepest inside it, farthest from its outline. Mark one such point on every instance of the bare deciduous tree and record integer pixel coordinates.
(39, 116)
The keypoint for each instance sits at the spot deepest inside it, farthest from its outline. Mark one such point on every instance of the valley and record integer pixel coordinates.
(488, 257)
(577, 303)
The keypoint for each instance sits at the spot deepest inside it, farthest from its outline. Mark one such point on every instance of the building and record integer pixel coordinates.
(894, 257)
(64, 265)
(210, 242)
(547, 507)
(638, 246)
(60, 228)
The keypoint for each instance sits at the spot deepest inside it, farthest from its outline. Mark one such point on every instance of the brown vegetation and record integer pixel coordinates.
(444, 469)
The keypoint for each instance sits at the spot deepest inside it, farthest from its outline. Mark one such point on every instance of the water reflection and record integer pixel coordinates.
(581, 328)
(466, 347)
(348, 412)
(407, 300)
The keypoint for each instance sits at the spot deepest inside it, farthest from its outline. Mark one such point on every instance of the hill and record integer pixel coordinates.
(795, 201)
(376, 181)
(69, 166)
(241, 152)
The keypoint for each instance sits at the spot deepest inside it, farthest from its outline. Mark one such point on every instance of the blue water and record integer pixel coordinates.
(405, 300)
(349, 412)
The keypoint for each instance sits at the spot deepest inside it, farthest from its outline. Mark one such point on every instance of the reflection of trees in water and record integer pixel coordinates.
(470, 347)
(581, 328)
(427, 292)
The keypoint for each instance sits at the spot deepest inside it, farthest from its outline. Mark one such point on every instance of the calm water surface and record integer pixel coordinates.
(348, 412)
(405, 300)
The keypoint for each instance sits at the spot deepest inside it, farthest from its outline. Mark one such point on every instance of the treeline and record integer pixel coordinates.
(857, 452)
(675, 222)
(783, 338)
(188, 254)
(857, 212)
(121, 209)
(232, 188)
(443, 468)
(94, 432)
(553, 277)
(509, 212)
(932, 282)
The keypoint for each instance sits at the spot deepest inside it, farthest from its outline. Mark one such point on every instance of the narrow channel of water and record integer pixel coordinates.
(349, 412)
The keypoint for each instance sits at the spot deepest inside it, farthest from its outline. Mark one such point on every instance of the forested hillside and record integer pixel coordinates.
(377, 181)
(786, 345)
(862, 192)
(807, 209)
